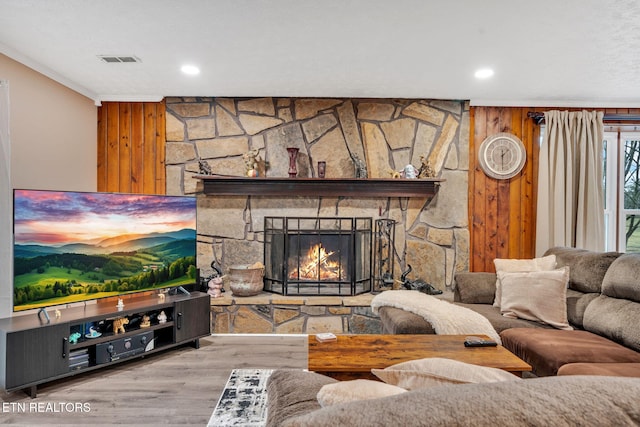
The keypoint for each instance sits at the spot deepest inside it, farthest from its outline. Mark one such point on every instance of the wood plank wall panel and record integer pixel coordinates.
(160, 170)
(131, 147)
(124, 147)
(501, 212)
(137, 153)
(113, 157)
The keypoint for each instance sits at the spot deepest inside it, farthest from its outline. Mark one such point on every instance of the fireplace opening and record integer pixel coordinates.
(317, 256)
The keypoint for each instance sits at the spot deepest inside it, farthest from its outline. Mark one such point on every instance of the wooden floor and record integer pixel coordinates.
(176, 387)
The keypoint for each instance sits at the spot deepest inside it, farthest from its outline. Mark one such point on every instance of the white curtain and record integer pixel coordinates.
(6, 208)
(570, 182)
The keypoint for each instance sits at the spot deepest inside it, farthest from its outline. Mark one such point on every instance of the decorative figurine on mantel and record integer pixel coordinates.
(409, 172)
(426, 170)
(205, 168)
(393, 174)
(293, 156)
(251, 161)
(361, 167)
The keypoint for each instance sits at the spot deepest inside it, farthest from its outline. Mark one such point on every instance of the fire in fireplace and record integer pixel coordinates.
(316, 263)
(317, 256)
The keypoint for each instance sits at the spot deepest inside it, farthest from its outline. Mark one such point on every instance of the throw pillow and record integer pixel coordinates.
(348, 391)
(520, 265)
(434, 371)
(540, 296)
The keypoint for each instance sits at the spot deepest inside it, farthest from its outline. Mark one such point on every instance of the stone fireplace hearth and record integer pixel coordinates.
(431, 234)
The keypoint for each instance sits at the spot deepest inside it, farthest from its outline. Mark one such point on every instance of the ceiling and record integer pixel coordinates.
(544, 53)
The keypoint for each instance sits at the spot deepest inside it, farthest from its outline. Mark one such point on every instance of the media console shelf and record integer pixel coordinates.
(34, 351)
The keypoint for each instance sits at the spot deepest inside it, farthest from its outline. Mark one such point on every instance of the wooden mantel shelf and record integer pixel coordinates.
(314, 187)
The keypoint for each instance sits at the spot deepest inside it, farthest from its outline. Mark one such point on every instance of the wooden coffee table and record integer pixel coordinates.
(353, 356)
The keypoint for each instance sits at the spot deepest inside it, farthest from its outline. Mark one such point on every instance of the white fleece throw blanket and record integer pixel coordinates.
(446, 318)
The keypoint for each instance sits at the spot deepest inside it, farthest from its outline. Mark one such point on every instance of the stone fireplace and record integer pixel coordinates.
(431, 233)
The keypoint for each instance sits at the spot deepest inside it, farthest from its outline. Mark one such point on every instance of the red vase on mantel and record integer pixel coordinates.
(293, 156)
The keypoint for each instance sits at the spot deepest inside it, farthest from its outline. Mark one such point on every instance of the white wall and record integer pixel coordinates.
(53, 137)
(5, 193)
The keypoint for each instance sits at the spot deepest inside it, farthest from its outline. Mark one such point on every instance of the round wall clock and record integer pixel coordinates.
(502, 155)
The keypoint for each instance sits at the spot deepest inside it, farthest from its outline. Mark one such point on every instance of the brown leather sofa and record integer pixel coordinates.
(603, 307)
(608, 315)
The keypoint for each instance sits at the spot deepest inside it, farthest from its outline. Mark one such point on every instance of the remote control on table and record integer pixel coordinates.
(479, 342)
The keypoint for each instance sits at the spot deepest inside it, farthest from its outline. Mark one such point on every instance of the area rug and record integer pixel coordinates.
(243, 401)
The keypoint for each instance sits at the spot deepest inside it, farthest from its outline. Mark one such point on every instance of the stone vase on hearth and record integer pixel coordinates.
(246, 280)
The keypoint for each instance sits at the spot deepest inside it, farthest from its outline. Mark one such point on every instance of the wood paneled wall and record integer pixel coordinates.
(502, 216)
(131, 147)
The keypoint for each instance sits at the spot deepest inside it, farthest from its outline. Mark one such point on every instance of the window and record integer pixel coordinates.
(622, 191)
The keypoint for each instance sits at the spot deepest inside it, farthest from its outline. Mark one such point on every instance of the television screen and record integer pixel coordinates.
(75, 246)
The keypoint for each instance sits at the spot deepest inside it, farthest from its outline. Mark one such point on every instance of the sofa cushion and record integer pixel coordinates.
(433, 371)
(475, 287)
(577, 303)
(556, 401)
(616, 319)
(540, 296)
(621, 280)
(292, 392)
(587, 268)
(616, 313)
(498, 321)
(349, 391)
(607, 369)
(548, 349)
(520, 265)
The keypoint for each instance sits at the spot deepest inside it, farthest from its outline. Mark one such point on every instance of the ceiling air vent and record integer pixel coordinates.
(114, 59)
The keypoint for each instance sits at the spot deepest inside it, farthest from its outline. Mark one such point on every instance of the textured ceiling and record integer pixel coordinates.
(546, 52)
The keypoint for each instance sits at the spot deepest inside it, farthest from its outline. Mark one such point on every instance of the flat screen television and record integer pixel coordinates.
(78, 246)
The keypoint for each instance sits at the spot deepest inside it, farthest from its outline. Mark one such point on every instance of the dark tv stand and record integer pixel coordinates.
(33, 352)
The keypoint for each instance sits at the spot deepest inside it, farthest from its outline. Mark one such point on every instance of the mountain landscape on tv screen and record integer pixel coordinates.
(102, 247)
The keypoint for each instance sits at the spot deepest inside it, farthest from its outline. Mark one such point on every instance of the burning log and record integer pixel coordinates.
(316, 265)
(313, 264)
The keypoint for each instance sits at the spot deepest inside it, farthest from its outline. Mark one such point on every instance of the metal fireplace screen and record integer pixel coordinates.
(317, 256)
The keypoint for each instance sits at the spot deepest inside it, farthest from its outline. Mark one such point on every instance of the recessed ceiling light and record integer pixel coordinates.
(191, 70)
(484, 73)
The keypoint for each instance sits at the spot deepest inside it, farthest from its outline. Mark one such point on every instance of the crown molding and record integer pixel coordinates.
(46, 71)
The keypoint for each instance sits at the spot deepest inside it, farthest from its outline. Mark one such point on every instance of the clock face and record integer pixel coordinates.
(502, 155)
